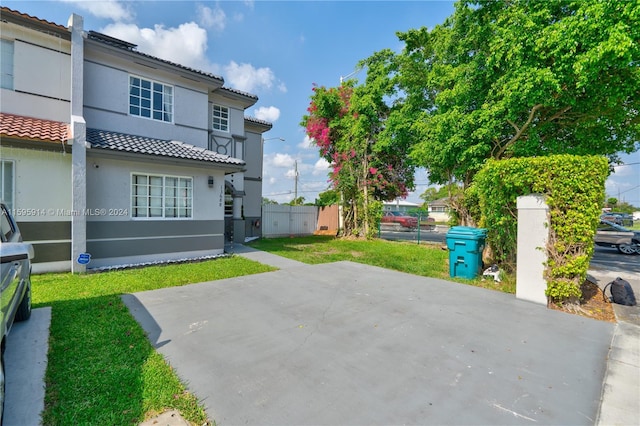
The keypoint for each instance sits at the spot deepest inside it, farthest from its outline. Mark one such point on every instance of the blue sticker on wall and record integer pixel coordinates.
(84, 258)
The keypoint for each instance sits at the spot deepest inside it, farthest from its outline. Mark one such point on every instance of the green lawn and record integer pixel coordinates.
(102, 370)
(426, 260)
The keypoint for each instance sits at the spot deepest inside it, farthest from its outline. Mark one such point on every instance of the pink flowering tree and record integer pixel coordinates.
(350, 124)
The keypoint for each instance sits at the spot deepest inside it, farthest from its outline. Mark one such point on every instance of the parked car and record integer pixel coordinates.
(399, 220)
(426, 222)
(623, 219)
(611, 234)
(15, 287)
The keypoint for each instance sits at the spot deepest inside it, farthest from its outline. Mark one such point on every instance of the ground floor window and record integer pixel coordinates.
(7, 173)
(159, 196)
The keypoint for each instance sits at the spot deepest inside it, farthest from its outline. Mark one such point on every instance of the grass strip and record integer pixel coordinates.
(427, 260)
(101, 367)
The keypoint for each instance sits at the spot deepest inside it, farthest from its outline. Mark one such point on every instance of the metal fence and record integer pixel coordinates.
(282, 220)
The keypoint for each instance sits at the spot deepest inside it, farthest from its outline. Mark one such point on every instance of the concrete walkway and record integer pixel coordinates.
(346, 343)
(621, 387)
(25, 366)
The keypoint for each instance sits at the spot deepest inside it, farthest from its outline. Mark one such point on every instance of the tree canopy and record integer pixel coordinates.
(498, 79)
(501, 79)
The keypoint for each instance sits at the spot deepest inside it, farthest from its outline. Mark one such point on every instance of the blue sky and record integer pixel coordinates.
(276, 50)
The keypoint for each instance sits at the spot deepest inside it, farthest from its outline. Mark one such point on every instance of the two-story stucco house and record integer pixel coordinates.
(111, 156)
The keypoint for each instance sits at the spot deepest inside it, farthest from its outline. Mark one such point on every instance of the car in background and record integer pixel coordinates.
(611, 234)
(15, 287)
(426, 222)
(623, 219)
(399, 220)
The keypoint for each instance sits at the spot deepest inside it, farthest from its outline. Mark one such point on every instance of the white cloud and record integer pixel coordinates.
(214, 18)
(270, 114)
(307, 144)
(283, 160)
(291, 174)
(185, 45)
(321, 167)
(110, 9)
(248, 78)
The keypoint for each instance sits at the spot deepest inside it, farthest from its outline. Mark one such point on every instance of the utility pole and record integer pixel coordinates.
(295, 197)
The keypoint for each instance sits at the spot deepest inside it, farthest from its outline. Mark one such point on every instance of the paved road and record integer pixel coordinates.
(611, 259)
(603, 258)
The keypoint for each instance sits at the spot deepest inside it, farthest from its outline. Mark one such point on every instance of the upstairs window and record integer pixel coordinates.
(150, 99)
(220, 118)
(6, 64)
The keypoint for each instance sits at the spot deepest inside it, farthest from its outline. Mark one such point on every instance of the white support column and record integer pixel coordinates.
(237, 207)
(78, 150)
(533, 234)
(238, 222)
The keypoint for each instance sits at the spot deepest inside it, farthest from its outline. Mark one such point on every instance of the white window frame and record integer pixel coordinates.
(142, 99)
(7, 50)
(8, 199)
(220, 118)
(159, 200)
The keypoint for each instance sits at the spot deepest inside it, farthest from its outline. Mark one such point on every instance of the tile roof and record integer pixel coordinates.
(130, 47)
(239, 92)
(160, 147)
(27, 20)
(33, 129)
(258, 121)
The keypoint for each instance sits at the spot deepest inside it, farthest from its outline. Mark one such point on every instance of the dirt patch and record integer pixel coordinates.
(592, 304)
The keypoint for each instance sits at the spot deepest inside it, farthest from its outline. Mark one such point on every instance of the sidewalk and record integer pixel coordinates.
(621, 388)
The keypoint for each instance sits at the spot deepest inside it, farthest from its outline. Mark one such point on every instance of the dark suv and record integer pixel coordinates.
(15, 287)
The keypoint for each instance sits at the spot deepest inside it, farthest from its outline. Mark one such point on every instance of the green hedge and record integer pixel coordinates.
(574, 189)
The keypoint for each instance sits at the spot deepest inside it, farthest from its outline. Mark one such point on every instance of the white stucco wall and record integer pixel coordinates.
(109, 187)
(36, 106)
(41, 81)
(42, 182)
(33, 76)
(106, 106)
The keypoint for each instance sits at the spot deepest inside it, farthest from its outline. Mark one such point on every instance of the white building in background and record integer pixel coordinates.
(400, 206)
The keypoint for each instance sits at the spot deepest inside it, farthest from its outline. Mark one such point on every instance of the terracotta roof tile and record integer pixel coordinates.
(7, 13)
(33, 129)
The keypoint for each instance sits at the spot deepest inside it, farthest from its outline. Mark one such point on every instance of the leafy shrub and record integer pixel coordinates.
(574, 190)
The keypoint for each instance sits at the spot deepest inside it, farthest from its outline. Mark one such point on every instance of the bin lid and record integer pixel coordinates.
(468, 232)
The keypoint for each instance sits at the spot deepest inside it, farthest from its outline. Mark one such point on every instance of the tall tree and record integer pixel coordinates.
(510, 78)
(350, 126)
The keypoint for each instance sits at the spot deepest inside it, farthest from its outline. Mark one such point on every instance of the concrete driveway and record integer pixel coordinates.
(345, 343)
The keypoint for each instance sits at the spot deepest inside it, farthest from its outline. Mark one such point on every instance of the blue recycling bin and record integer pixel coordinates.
(465, 246)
